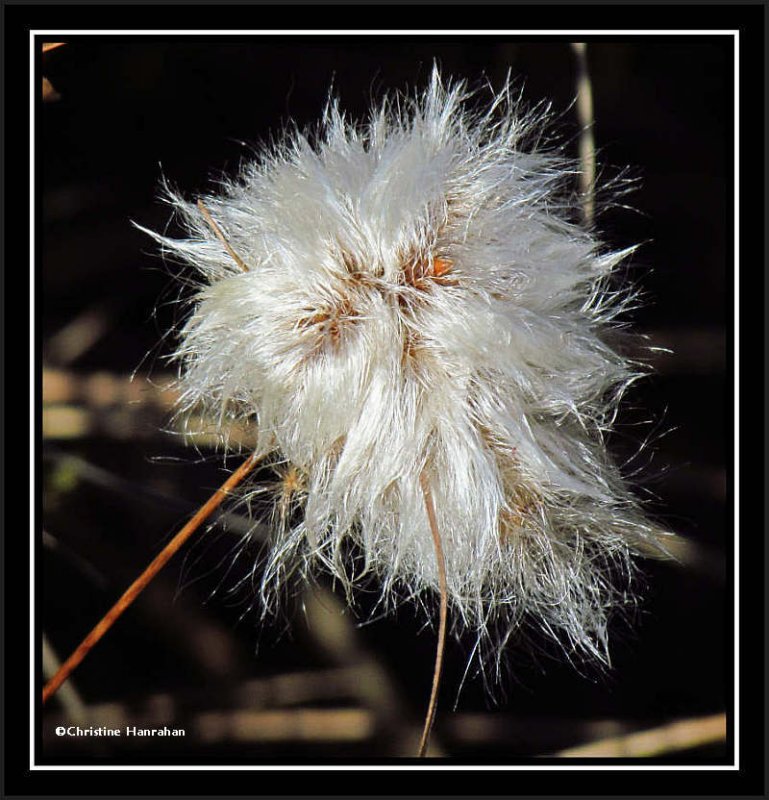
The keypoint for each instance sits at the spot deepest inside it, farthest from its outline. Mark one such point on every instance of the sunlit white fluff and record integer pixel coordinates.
(418, 297)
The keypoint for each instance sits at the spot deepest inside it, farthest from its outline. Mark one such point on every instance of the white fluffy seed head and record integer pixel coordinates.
(418, 297)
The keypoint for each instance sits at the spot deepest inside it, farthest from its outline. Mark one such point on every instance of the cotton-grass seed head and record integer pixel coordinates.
(414, 295)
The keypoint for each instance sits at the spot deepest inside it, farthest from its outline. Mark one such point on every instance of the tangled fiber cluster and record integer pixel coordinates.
(415, 296)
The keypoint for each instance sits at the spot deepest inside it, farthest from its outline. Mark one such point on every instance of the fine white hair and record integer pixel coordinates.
(418, 297)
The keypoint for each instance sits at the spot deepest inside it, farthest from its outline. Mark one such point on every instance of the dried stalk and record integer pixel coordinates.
(441, 645)
(108, 620)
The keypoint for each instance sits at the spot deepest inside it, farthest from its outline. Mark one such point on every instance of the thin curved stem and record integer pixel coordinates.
(108, 620)
(443, 615)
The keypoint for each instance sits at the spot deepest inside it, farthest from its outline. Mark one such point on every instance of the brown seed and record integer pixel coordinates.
(329, 323)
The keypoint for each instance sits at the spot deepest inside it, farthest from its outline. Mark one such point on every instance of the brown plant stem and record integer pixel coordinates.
(443, 615)
(106, 622)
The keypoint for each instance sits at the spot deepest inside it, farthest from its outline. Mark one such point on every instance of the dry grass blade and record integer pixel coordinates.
(684, 734)
(587, 136)
(49, 93)
(70, 698)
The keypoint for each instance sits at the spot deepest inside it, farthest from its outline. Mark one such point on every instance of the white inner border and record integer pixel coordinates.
(576, 35)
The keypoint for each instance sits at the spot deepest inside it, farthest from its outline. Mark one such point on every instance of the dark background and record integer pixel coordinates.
(118, 481)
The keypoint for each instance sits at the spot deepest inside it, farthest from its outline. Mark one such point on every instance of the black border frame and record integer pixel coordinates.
(750, 779)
